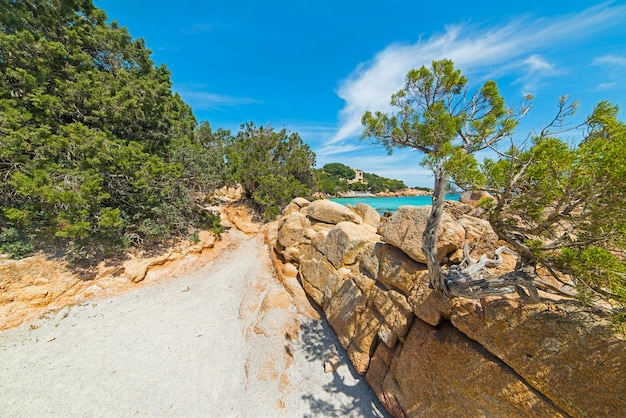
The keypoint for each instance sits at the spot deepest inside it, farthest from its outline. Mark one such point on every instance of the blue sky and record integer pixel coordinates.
(314, 67)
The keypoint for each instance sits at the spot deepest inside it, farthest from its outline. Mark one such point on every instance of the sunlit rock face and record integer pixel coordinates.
(427, 356)
(404, 230)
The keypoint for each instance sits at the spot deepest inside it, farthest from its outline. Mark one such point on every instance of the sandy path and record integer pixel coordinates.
(203, 345)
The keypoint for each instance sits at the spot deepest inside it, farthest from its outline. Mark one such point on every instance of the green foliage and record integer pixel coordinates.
(434, 113)
(13, 243)
(273, 167)
(211, 221)
(377, 183)
(596, 269)
(95, 150)
(359, 187)
(562, 205)
(339, 170)
(201, 157)
(437, 115)
(331, 179)
(330, 184)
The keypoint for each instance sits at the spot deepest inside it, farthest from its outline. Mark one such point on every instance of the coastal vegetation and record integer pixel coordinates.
(334, 178)
(272, 167)
(97, 153)
(560, 205)
(436, 114)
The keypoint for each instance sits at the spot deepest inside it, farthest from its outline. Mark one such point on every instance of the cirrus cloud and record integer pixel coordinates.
(512, 48)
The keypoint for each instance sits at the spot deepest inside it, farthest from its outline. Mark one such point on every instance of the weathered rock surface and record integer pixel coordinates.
(479, 235)
(367, 213)
(404, 230)
(295, 205)
(35, 285)
(397, 270)
(428, 356)
(331, 212)
(570, 355)
(474, 198)
(229, 194)
(457, 209)
(241, 217)
(345, 242)
(292, 234)
(440, 372)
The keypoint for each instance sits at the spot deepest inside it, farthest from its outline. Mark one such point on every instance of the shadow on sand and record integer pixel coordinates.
(349, 394)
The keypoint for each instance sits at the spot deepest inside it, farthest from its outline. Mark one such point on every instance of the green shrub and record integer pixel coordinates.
(210, 221)
(14, 244)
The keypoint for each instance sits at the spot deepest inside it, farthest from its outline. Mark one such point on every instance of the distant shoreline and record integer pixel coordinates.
(398, 193)
(384, 204)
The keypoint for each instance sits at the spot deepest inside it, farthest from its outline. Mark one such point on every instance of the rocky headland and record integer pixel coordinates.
(425, 356)
(403, 193)
(421, 355)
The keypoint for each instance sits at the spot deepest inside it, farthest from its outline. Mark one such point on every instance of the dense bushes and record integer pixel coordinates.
(380, 184)
(272, 166)
(95, 150)
(333, 178)
(562, 205)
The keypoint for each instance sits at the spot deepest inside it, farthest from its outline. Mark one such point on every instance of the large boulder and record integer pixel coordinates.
(331, 212)
(296, 205)
(369, 262)
(292, 230)
(569, 354)
(364, 339)
(440, 372)
(457, 209)
(241, 217)
(292, 234)
(479, 235)
(367, 213)
(397, 270)
(345, 242)
(475, 198)
(404, 230)
(344, 309)
(316, 272)
(395, 312)
(355, 324)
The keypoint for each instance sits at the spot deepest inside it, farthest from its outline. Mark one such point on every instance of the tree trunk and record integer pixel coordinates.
(431, 233)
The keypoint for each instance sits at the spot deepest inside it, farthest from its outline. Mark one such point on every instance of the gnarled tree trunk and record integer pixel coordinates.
(431, 232)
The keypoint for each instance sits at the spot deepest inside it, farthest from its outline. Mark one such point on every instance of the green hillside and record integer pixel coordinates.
(334, 178)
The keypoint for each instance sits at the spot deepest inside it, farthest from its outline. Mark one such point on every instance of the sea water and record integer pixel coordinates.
(390, 204)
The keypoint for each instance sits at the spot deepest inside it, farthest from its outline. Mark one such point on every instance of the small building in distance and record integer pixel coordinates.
(358, 178)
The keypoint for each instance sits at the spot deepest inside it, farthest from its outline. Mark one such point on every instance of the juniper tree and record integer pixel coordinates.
(437, 114)
(563, 205)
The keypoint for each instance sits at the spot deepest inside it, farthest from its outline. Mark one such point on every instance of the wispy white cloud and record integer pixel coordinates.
(310, 133)
(612, 68)
(512, 47)
(536, 68)
(611, 60)
(200, 28)
(335, 149)
(607, 86)
(198, 98)
(536, 63)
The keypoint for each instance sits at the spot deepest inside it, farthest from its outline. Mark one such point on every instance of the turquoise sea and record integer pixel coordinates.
(390, 204)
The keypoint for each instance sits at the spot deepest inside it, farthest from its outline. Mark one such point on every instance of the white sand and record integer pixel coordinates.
(195, 346)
